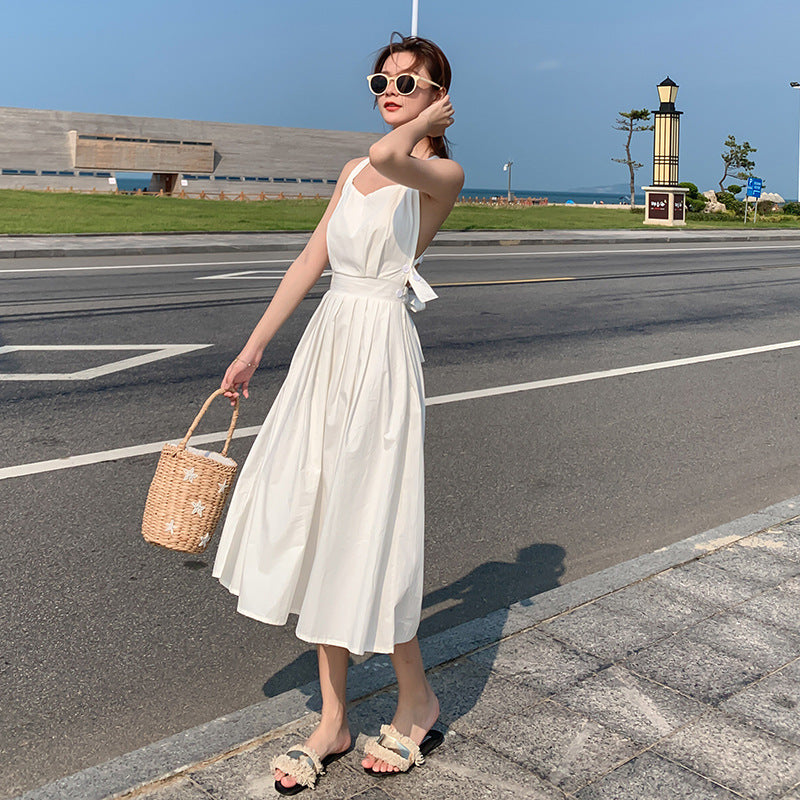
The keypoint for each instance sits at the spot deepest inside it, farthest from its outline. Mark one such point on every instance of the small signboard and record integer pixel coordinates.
(659, 206)
(677, 208)
(754, 187)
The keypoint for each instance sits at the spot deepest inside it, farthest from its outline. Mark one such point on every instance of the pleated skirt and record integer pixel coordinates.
(326, 520)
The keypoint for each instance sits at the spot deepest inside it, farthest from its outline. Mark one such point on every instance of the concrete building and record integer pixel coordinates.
(63, 149)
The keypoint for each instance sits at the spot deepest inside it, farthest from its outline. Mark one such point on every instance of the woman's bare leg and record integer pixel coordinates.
(332, 735)
(417, 705)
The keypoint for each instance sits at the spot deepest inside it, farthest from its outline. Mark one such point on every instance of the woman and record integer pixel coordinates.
(327, 517)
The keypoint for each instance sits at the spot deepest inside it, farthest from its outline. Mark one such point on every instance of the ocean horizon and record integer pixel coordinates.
(559, 196)
(131, 183)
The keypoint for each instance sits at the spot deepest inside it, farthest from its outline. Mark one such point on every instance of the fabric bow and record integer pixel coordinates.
(422, 291)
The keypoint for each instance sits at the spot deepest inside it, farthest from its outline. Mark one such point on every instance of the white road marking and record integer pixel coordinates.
(232, 275)
(35, 467)
(207, 264)
(664, 250)
(251, 275)
(113, 455)
(159, 351)
(622, 251)
(583, 377)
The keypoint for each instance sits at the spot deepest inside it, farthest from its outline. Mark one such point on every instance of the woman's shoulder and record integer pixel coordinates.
(350, 166)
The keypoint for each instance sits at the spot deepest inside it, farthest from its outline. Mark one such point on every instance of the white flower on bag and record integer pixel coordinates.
(222, 487)
(198, 508)
(189, 474)
(204, 540)
(170, 526)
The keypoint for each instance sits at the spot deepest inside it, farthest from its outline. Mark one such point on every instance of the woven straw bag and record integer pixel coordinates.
(189, 491)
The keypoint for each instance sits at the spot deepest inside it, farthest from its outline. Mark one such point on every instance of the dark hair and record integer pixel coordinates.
(430, 55)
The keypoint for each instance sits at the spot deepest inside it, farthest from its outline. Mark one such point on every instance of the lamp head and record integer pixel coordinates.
(794, 85)
(667, 92)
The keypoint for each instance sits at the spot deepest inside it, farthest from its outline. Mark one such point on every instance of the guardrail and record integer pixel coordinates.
(183, 194)
(503, 201)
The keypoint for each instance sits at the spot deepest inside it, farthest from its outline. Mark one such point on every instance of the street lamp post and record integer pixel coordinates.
(796, 85)
(665, 201)
(414, 16)
(507, 166)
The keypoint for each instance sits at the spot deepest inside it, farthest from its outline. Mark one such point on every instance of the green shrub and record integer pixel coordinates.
(765, 207)
(696, 203)
(716, 216)
(693, 191)
(792, 208)
(731, 203)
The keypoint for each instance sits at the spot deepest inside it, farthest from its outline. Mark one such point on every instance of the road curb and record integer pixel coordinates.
(263, 721)
(443, 239)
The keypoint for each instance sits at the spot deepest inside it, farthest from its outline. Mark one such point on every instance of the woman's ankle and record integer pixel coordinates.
(418, 697)
(335, 718)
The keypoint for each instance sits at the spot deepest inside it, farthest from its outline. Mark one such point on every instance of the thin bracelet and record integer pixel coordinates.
(244, 362)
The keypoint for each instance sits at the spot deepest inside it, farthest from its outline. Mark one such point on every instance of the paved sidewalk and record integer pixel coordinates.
(122, 244)
(673, 675)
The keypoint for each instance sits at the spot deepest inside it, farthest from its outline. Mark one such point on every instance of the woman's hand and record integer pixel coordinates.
(237, 378)
(438, 115)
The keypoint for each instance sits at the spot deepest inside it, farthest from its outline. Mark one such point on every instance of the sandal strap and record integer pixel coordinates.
(301, 762)
(395, 748)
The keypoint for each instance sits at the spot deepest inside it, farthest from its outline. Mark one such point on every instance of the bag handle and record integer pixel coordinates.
(199, 416)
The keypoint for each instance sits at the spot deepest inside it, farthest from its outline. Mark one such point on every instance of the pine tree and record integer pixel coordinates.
(631, 122)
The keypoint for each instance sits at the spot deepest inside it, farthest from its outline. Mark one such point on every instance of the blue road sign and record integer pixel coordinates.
(754, 187)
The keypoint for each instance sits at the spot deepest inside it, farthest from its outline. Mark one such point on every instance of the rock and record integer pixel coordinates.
(713, 205)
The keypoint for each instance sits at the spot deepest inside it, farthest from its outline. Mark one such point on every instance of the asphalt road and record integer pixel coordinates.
(110, 643)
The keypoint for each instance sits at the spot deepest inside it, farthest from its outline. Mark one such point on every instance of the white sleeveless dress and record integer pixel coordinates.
(326, 519)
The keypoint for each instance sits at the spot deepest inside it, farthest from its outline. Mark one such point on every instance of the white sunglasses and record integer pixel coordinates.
(405, 83)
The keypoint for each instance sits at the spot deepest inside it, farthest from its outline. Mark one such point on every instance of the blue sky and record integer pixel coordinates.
(539, 83)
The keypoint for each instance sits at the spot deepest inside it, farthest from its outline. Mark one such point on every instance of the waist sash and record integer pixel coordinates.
(367, 286)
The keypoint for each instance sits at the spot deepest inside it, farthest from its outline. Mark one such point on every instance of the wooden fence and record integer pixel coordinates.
(245, 196)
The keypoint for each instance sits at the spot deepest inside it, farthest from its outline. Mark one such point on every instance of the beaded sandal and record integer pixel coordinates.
(304, 765)
(398, 750)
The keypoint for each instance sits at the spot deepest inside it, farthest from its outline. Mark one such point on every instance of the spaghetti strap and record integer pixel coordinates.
(356, 169)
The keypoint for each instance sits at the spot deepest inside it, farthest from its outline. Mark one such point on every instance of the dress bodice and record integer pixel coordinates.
(376, 235)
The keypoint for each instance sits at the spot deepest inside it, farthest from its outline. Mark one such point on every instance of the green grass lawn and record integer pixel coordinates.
(24, 212)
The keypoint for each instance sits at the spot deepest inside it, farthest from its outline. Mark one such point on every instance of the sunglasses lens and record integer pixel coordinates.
(406, 84)
(378, 84)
